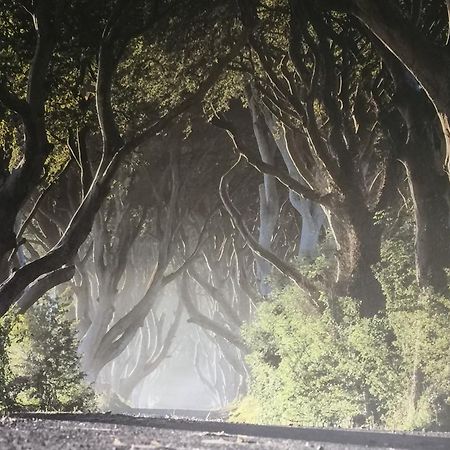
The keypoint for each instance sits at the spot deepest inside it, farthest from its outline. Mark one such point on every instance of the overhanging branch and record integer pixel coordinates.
(43, 285)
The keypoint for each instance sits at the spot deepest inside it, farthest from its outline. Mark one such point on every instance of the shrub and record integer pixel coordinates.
(41, 363)
(7, 401)
(338, 369)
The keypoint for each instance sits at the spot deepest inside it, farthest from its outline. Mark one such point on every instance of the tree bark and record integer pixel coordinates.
(357, 233)
(43, 285)
(16, 187)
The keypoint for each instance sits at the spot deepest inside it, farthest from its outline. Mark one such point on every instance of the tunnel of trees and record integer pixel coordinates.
(258, 189)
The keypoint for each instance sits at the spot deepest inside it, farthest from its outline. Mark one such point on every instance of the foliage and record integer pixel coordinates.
(40, 367)
(164, 67)
(338, 369)
(6, 398)
(419, 319)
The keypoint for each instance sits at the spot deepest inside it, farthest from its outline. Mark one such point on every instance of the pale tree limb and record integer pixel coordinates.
(324, 199)
(203, 321)
(43, 285)
(312, 289)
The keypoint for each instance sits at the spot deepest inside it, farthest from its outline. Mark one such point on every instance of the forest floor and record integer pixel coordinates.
(119, 432)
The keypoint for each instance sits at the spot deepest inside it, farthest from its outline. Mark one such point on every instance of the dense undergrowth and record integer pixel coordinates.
(39, 364)
(338, 369)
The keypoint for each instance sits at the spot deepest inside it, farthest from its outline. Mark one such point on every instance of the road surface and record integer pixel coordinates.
(119, 432)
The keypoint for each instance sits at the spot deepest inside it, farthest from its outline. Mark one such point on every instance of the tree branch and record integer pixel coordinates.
(327, 200)
(42, 285)
(313, 290)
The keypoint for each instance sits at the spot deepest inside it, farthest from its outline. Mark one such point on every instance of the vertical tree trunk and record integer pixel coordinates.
(313, 219)
(269, 203)
(312, 214)
(429, 185)
(361, 239)
(430, 194)
(268, 217)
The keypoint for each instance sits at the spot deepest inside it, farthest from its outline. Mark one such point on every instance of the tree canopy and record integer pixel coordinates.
(254, 169)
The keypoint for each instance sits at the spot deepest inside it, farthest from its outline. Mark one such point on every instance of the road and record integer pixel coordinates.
(119, 432)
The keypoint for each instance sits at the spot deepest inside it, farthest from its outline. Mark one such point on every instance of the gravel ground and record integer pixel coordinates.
(99, 432)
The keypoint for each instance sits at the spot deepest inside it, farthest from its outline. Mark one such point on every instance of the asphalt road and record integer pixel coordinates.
(118, 432)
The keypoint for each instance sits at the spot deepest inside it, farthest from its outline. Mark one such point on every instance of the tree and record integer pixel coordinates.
(412, 128)
(144, 264)
(40, 363)
(269, 202)
(314, 88)
(123, 24)
(416, 32)
(52, 367)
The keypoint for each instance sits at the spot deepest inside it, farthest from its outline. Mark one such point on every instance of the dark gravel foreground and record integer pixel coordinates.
(119, 432)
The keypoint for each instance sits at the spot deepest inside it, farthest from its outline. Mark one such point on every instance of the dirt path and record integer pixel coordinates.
(98, 432)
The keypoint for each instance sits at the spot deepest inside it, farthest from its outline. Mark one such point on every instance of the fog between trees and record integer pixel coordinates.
(256, 188)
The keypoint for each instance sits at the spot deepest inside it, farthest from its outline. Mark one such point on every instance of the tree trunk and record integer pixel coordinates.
(312, 214)
(429, 185)
(313, 219)
(430, 193)
(268, 217)
(101, 319)
(361, 239)
(269, 203)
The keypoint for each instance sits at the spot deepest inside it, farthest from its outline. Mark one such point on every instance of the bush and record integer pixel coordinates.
(314, 369)
(7, 401)
(419, 319)
(41, 366)
(309, 370)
